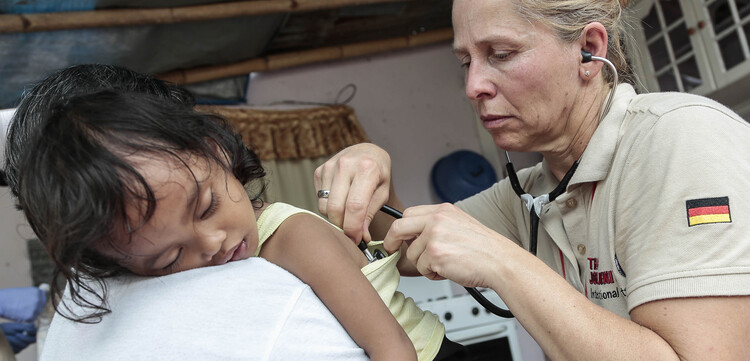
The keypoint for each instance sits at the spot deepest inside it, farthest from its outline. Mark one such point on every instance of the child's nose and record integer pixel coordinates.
(210, 244)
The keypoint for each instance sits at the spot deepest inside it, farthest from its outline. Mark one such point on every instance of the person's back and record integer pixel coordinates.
(247, 310)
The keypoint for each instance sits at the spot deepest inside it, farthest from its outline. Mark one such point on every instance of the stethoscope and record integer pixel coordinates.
(533, 204)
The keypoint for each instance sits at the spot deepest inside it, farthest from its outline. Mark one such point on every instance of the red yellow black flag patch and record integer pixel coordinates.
(708, 210)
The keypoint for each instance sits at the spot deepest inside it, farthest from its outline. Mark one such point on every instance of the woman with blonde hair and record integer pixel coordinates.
(629, 241)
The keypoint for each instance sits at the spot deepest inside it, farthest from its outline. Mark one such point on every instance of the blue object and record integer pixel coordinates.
(19, 335)
(461, 174)
(22, 304)
(46, 6)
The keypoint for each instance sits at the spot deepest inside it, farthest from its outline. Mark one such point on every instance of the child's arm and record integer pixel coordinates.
(328, 261)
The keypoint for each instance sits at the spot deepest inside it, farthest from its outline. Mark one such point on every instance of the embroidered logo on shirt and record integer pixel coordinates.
(708, 210)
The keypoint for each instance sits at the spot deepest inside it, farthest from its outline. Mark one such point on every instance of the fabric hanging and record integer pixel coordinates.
(291, 143)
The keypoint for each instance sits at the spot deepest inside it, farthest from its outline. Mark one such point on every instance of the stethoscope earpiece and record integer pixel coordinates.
(587, 57)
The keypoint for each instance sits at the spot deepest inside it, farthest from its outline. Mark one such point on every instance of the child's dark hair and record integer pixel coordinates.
(75, 186)
(37, 102)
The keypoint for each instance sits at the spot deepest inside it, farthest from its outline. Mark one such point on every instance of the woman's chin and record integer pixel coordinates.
(508, 145)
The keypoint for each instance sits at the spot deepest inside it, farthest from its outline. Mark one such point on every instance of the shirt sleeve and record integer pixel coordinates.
(497, 208)
(682, 215)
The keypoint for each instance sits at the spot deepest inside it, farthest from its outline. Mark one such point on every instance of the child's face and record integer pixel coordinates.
(201, 219)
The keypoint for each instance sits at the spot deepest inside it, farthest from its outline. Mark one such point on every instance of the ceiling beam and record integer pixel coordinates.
(297, 58)
(33, 22)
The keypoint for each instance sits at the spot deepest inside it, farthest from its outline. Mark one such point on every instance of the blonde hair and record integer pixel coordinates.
(568, 18)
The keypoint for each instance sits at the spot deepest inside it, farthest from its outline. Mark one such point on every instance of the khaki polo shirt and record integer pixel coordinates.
(657, 208)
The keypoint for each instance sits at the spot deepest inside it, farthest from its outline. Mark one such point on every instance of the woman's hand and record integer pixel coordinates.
(359, 180)
(444, 242)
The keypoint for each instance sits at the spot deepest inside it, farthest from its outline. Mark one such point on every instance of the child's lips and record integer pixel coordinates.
(239, 251)
(235, 253)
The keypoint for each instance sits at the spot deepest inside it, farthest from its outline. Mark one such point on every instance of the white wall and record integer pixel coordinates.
(15, 268)
(14, 261)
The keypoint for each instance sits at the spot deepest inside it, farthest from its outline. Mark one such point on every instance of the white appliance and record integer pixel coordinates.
(465, 320)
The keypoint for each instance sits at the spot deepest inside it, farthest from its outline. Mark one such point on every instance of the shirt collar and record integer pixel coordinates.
(597, 157)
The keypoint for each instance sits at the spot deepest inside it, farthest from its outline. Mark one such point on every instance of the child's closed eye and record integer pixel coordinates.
(173, 266)
(212, 206)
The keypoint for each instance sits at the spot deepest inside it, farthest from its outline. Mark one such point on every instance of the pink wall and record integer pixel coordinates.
(410, 102)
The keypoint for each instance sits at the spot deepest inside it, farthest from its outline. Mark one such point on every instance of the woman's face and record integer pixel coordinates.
(203, 218)
(521, 79)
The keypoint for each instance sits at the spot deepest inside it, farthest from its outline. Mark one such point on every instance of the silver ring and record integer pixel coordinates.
(323, 193)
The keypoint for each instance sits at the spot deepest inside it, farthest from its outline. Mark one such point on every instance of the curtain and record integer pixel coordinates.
(291, 143)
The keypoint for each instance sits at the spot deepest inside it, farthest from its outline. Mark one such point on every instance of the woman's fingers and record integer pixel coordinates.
(368, 192)
(416, 229)
(444, 242)
(322, 178)
(348, 209)
(358, 178)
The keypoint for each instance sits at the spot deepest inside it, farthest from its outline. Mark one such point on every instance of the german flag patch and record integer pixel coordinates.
(708, 210)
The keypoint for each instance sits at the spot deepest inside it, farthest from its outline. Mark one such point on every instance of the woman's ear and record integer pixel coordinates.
(593, 41)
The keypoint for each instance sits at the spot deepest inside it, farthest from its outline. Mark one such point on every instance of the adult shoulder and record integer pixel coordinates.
(240, 311)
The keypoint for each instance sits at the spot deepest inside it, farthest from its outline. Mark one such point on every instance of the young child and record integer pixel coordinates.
(126, 182)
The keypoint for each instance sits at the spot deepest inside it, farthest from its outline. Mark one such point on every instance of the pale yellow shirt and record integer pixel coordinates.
(423, 328)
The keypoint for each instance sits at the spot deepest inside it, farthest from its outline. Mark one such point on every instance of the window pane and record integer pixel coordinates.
(689, 74)
(721, 15)
(680, 41)
(744, 8)
(731, 50)
(672, 11)
(659, 56)
(667, 82)
(651, 25)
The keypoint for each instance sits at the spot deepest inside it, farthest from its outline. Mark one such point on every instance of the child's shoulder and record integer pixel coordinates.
(283, 228)
(279, 212)
(279, 216)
